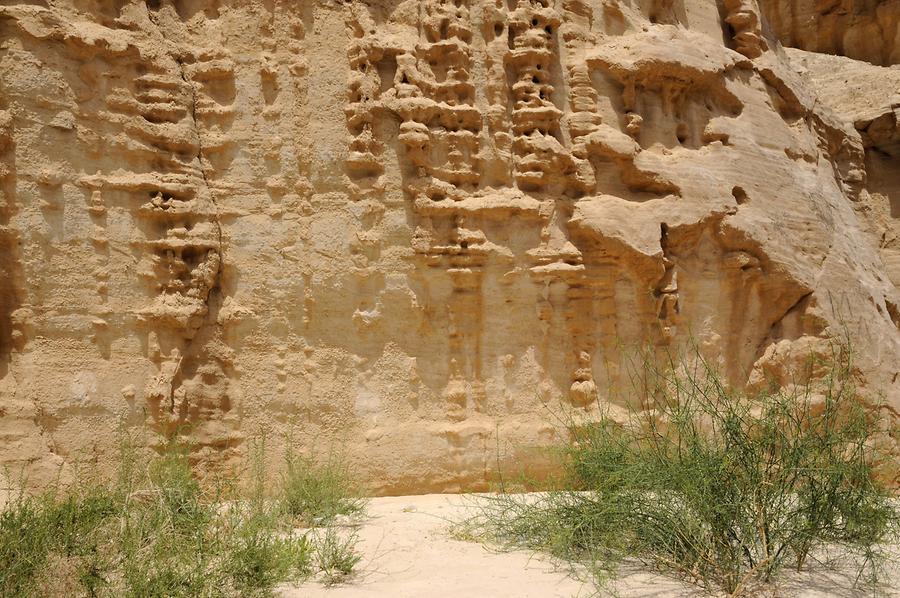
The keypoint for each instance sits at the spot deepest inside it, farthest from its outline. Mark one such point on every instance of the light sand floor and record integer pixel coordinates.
(408, 552)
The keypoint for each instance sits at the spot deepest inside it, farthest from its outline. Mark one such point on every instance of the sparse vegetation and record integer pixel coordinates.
(723, 490)
(336, 555)
(156, 532)
(317, 493)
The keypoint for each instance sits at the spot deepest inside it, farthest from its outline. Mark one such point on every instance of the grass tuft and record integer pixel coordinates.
(315, 494)
(155, 532)
(336, 555)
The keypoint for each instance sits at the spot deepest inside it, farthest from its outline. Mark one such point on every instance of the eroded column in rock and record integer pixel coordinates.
(434, 98)
(498, 116)
(744, 19)
(364, 90)
(540, 158)
(8, 244)
(584, 119)
(568, 303)
(181, 244)
(441, 129)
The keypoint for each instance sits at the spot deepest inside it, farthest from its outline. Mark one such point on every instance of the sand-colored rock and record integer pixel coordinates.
(397, 228)
(868, 97)
(862, 29)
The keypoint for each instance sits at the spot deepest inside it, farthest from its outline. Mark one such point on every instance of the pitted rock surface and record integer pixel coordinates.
(400, 229)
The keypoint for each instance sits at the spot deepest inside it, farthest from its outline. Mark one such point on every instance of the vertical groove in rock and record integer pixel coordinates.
(10, 278)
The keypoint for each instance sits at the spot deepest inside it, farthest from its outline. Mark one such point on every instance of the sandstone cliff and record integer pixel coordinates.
(862, 29)
(399, 227)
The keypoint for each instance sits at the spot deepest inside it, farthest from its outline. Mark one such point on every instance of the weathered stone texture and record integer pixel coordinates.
(862, 29)
(398, 228)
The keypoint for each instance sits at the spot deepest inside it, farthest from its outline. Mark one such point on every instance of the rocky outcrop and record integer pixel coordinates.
(400, 229)
(868, 98)
(866, 30)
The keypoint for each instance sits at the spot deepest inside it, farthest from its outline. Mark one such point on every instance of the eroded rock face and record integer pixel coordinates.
(868, 97)
(861, 29)
(399, 228)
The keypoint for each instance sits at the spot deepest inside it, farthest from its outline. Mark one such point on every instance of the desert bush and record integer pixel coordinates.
(54, 531)
(260, 552)
(336, 555)
(315, 493)
(723, 489)
(156, 532)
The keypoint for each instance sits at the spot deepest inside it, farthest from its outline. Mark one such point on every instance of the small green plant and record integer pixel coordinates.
(336, 556)
(36, 532)
(168, 532)
(722, 489)
(261, 553)
(262, 548)
(157, 532)
(315, 493)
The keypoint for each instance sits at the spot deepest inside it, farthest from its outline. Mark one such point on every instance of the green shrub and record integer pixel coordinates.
(316, 493)
(156, 532)
(24, 546)
(722, 489)
(336, 555)
(260, 554)
(35, 530)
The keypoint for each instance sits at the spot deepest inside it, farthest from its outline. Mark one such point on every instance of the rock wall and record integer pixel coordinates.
(861, 29)
(399, 228)
(868, 97)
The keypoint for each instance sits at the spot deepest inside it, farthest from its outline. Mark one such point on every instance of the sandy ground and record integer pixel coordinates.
(408, 552)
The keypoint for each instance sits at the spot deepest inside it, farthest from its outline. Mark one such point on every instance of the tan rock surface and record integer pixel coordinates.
(868, 97)
(862, 29)
(398, 228)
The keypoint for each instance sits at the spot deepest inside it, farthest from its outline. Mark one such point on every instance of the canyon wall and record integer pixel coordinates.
(861, 29)
(413, 231)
